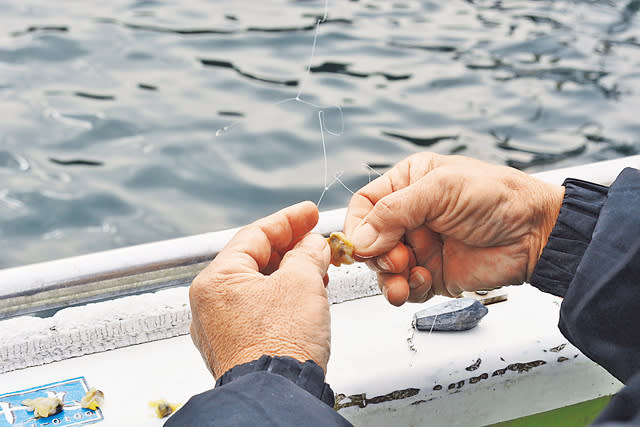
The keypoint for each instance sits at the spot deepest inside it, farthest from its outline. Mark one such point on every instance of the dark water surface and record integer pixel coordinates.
(109, 110)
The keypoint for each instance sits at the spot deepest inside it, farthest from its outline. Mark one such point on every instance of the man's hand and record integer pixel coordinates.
(446, 224)
(265, 294)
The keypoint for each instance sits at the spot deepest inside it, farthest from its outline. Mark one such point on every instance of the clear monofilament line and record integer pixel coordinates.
(433, 324)
(370, 169)
(324, 148)
(304, 78)
(324, 107)
(324, 155)
(337, 178)
(368, 166)
(306, 74)
(321, 112)
(313, 49)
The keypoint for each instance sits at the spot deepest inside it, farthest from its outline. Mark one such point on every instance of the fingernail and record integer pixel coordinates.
(416, 280)
(384, 263)
(454, 290)
(364, 236)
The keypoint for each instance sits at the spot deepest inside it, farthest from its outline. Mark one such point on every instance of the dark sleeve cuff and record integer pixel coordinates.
(570, 236)
(308, 375)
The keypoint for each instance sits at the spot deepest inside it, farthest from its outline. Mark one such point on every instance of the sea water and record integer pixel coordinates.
(111, 112)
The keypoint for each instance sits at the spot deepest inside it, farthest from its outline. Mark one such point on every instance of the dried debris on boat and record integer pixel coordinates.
(93, 399)
(43, 407)
(163, 408)
(341, 249)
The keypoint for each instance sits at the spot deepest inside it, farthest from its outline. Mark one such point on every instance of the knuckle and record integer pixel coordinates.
(204, 285)
(422, 157)
(250, 230)
(196, 288)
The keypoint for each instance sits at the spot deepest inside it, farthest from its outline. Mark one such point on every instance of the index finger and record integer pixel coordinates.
(251, 248)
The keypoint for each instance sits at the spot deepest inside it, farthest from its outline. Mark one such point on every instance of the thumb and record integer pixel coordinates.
(311, 255)
(383, 227)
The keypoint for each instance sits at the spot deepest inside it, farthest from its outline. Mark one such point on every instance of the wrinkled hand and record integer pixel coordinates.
(446, 224)
(265, 294)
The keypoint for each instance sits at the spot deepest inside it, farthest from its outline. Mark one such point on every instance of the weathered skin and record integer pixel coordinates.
(265, 294)
(445, 224)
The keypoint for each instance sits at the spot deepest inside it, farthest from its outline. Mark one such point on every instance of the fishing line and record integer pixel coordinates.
(324, 154)
(433, 324)
(337, 178)
(370, 169)
(321, 112)
(313, 48)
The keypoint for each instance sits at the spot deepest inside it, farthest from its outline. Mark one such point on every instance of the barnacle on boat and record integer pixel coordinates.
(43, 406)
(341, 249)
(164, 408)
(93, 399)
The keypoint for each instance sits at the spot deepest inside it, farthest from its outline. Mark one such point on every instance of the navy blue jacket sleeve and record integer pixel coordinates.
(270, 391)
(592, 259)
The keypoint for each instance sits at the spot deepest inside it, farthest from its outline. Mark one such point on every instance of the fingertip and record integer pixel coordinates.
(308, 205)
(283, 229)
(308, 211)
(395, 289)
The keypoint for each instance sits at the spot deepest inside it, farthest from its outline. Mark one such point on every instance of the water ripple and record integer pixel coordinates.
(113, 128)
(422, 141)
(76, 162)
(226, 64)
(39, 28)
(340, 68)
